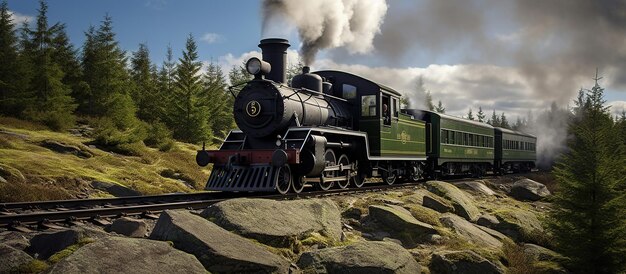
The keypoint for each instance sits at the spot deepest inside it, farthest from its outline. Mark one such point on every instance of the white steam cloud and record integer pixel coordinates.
(326, 24)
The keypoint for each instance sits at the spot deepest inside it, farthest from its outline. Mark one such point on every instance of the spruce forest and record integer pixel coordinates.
(130, 101)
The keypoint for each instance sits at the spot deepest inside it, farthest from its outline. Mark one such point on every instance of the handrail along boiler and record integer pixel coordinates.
(332, 128)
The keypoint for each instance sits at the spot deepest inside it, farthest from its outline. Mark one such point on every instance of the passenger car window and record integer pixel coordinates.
(368, 105)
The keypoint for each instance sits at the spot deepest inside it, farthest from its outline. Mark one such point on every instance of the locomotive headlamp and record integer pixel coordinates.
(256, 66)
(279, 141)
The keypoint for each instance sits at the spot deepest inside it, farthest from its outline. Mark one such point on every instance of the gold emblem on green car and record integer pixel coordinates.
(405, 137)
(253, 108)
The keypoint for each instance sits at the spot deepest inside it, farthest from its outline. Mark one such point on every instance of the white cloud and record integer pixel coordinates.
(19, 19)
(459, 86)
(211, 38)
(617, 107)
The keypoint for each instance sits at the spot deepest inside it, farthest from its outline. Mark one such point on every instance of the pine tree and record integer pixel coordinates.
(440, 108)
(588, 221)
(108, 85)
(166, 85)
(470, 115)
(219, 101)
(9, 64)
(52, 102)
(190, 112)
(294, 69)
(145, 94)
(480, 115)
(495, 120)
(238, 75)
(66, 57)
(503, 121)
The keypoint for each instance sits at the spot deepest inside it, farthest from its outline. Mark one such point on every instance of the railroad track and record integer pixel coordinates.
(28, 216)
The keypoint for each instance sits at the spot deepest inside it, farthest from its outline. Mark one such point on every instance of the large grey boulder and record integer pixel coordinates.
(477, 187)
(517, 223)
(541, 253)
(277, 223)
(527, 189)
(114, 189)
(400, 223)
(463, 204)
(218, 250)
(462, 262)
(60, 147)
(129, 227)
(469, 231)
(362, 257)
(127, 255)
(11, 259)
(437, 203)
(44, 245)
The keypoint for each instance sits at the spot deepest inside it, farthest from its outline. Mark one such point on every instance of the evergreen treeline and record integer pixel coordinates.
(44, 78)
(588, 222)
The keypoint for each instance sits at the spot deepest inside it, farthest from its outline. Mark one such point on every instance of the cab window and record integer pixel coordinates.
(368, 105)
(386, 110)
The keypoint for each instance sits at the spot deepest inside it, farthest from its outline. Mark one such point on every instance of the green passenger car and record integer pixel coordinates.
(455, 145)
(515, 151)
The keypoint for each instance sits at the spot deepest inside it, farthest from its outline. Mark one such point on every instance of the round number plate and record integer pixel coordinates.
(253, 108)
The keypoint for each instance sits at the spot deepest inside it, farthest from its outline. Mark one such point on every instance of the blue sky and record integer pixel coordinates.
(230, 26)
(509, 56)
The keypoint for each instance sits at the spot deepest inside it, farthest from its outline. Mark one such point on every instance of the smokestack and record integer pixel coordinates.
(275, 52)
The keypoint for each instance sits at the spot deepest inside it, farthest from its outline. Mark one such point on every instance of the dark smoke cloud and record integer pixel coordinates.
(555, 44)
(323, 24)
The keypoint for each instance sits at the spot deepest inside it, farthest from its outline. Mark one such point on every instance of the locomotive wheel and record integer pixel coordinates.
(343, 160)
(389, 177)
(416, 173)
(358, 180)
(330, 159)
(298, 183)
(283, 179)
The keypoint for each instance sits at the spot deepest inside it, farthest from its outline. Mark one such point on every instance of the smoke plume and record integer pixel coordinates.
(327, 24)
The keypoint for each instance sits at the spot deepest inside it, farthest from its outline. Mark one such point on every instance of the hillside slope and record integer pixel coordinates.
(39, 164)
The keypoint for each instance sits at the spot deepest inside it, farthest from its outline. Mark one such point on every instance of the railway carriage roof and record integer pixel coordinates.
(458, 119)
(506, 130)
(346, 75)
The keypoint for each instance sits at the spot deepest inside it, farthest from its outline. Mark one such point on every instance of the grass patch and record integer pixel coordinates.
(34, 266)
(19, 192)
(425, 215)
(56, 257)
(51, 175)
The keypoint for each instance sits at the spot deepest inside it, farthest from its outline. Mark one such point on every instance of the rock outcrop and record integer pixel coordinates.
(463, 204)
(477, 187)
(45, 244)
(218, 250)
(60, 147)
(12, 259)
(114, 189)
(400, 223)
(128, 255)
(527, 189)
(469, 231)
(277, 223)
(517, 223)
(363, 257)
(129, 227)
(437, 203)
(465, 261)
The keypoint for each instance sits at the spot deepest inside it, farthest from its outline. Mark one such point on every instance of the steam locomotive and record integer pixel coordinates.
(332, 128)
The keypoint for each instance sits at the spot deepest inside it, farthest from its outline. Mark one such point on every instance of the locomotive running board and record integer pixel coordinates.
(242, 178)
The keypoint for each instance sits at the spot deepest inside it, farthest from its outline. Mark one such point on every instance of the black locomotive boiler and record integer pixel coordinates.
(332, 128)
